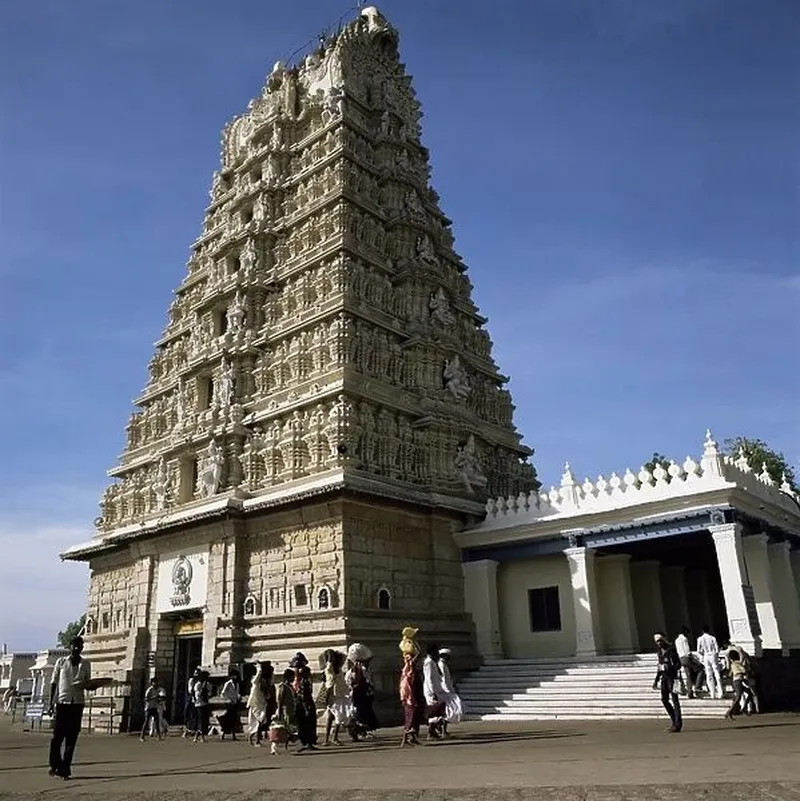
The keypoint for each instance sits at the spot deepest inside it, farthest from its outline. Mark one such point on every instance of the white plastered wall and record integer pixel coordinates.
(514, 579)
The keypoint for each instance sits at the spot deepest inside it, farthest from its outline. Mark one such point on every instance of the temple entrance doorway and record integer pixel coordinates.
(675, 582)
(188, 657)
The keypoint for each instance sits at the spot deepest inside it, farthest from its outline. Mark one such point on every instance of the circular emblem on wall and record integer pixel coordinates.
(181, 581)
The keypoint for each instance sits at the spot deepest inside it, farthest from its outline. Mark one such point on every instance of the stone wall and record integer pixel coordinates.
(299, 578)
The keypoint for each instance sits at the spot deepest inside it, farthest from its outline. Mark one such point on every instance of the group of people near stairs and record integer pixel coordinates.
(686, 671)
(284, 709)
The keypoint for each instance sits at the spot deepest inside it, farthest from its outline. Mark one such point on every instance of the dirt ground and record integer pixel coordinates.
(755, 758)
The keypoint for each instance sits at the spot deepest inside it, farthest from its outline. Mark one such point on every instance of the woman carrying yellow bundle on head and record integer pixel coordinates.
(408, 645)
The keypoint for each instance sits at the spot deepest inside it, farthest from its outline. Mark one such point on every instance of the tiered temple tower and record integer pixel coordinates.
(322, 410)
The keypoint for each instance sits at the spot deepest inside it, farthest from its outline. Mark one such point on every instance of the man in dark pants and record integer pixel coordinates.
(669, 668)
(70, 678)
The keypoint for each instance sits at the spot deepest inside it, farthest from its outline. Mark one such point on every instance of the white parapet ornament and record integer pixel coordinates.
(713, 471)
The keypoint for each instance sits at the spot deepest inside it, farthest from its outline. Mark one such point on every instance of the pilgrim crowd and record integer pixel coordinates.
(683, 670)
(285, 708)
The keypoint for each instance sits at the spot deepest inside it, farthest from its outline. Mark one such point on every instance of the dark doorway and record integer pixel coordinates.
(188, 656)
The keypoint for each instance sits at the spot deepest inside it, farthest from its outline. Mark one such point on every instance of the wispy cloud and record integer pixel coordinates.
(40, 594)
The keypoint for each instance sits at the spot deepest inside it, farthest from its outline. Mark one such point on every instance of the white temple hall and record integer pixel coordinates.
(596, 568)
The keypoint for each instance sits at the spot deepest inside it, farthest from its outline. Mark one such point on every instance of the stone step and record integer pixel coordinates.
(550, 667)
(561, 686)
(602, 688)
(575, 660)
(570, 670)
(590, 703)
(592, 683)
(620, 714)
(595, 678)
(611, 694)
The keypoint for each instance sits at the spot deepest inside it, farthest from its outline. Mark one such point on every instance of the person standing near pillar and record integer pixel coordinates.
(669, 668)
(71, 676)
(708, 648)
(684, 652)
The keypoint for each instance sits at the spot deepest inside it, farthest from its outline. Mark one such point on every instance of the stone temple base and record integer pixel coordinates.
(304, 577)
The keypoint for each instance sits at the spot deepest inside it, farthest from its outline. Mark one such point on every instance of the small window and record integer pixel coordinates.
(221, 322)
(544, 609)
(250, 606)
(205, 392)
(300, 595)
(188, 479)
(384, 599)
(234, 264)
(324, 598)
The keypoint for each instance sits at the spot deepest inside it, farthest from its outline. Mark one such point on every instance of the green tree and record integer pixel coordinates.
(758, 453)
(658, 459)
(71, 631)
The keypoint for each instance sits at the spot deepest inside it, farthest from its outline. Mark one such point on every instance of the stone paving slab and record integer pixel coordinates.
(754, 759)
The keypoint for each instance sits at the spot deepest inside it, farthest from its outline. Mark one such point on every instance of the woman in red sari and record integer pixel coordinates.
(412, 697)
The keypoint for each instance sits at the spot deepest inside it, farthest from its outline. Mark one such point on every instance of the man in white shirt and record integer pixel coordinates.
(229, 720)
(708, 648)
(151, 712)
(71, 677)
(434, 692)
(684, 652)
(452, 701)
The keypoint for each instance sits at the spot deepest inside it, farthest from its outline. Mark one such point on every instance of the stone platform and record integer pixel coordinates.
(756, 758)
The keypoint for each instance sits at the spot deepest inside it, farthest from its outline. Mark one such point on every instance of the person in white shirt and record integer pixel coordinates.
(229, 720)
(434, 692)
(201, 692)
(191, 723)
(708, 648)
(452, 702)
(151, 712)
(684, 652)
(71, 676)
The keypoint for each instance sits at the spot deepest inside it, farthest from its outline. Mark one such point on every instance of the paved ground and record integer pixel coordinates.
(753, 759)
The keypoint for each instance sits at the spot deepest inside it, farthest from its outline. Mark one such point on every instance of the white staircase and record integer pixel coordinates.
(605, 687)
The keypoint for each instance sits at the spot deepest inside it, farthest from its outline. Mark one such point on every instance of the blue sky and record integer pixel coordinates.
(622, 176)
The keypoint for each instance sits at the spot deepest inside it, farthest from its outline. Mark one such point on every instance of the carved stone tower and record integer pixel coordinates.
(323, 410)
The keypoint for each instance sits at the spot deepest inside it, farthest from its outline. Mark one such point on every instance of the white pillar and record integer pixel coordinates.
(673, 595)
(480, 600)
(733, 575)
(583, 576)
(648, 603)
(786, 603)
(617, 619)
(757, 561)
(794, 558)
